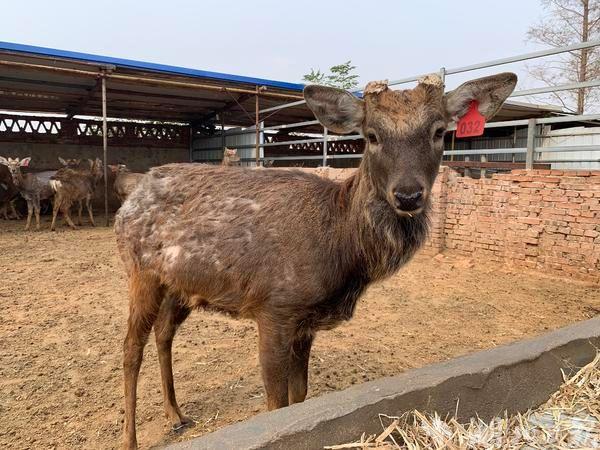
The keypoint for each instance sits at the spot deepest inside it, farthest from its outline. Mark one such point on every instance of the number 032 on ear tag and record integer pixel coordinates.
(472, 123)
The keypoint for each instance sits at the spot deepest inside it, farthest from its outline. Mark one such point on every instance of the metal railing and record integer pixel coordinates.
(532, 151)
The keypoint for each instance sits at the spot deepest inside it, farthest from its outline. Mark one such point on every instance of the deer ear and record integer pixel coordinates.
(490, 92)
(336, 109)
(62, 161)
(4, 161)
(25, 162)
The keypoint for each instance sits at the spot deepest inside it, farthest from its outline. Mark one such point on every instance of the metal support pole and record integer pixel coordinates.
(105, 149)
(483, 171)
(324, 147)
(222, 120)
(443, 74)
(530, 144)
(257, 124)
(467, 169)
(514, 144)
(191, 142)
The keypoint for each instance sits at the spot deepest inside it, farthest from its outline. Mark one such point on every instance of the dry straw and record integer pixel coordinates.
(570, 419)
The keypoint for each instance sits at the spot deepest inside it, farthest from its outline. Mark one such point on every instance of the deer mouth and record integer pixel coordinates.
(413, 213)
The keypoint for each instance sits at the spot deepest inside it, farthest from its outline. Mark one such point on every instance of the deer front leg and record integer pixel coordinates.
(29, 214)
(273, 353)
(55, 208)
(79, 211)
(298, 375)
(170, 316)
(144, 302)
(36, 208)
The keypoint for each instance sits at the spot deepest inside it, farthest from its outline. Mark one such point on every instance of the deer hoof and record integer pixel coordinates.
(183, 422)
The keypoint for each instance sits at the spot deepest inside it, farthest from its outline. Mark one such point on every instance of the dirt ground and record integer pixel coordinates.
(63, 300)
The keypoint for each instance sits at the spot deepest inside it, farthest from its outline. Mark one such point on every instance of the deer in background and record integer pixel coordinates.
(71, 163)
(230, 157)
(290, 250)
(8, 193)
(31, 187)
(75, 185)
(125, 180)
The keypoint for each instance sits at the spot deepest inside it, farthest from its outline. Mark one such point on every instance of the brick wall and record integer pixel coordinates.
(540, 219)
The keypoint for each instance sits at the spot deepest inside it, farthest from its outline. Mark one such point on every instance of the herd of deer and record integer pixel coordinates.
(290, 250)
(74, 183)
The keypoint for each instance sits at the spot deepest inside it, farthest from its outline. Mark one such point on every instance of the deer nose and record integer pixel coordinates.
(409, 200)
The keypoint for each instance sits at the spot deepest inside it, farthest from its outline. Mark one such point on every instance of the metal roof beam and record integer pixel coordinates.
(226, 107)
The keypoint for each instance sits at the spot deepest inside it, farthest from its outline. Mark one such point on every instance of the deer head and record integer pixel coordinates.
(404, 130)
(71, 162)
(118, 168)
(96, 168)
(14, 166)
(230, 156)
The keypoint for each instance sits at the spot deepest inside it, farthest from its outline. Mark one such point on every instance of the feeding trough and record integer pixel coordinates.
(512, 378)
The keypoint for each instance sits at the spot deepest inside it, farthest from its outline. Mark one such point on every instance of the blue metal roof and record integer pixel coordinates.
(141, 65)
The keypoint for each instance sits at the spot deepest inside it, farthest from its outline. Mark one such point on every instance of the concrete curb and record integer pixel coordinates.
(514, 377)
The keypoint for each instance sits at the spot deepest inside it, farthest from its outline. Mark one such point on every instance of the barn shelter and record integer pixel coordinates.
(61, 103)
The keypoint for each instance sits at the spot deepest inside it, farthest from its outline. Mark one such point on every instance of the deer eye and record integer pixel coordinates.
(372, 138)
(439, 133)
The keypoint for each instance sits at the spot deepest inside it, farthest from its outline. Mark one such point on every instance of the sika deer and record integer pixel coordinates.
(8, 193)
(31, 187)
(125, 181)
(290, 250)
(71, 163)
(75, 185)
(230, 157)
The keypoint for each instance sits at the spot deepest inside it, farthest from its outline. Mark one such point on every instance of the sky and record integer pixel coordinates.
(282, 40)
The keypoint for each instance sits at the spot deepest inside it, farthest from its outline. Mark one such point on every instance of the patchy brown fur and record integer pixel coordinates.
(290, 250)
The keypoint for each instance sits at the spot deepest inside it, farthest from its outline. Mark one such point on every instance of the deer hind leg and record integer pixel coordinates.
(298, 371)
(65, 207)
(170, 316)
(274, 352)
(144, 302)
(88, 204)
(5, 211)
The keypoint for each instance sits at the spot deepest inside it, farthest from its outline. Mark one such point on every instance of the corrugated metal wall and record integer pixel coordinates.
(510, 138)
(209, 149)
(568, 137)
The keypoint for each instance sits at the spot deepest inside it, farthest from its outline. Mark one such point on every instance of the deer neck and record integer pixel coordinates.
(382, 239)
(18, 179)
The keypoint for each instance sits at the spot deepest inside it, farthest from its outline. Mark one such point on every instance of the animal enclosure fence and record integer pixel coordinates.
(283, 143)
(89, 132)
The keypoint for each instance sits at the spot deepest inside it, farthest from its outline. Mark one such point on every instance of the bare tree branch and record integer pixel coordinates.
(568, 22)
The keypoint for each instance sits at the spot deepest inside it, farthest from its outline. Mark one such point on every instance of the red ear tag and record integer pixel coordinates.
(472, 123)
